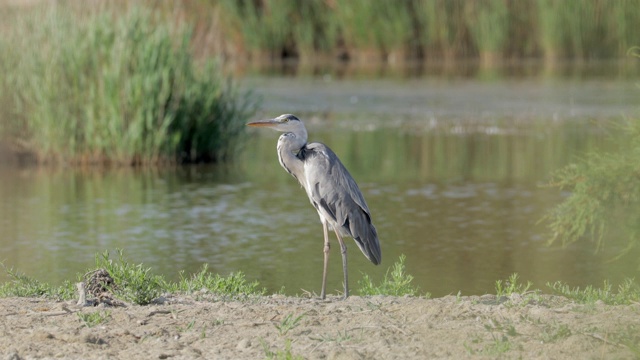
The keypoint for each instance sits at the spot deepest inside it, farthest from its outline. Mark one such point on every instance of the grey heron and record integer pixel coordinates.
(331, 190)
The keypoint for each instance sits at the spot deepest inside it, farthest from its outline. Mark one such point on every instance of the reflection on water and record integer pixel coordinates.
(460, 197)
(456, 105)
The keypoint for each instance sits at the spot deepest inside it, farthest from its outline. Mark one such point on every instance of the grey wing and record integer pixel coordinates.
(336, 195)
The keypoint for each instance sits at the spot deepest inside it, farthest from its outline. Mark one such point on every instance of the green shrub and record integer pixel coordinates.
(396, 282)
(604, 200)
(21, 285)
(628, 293)
(233, 285)
(106, 87)
(133, 283)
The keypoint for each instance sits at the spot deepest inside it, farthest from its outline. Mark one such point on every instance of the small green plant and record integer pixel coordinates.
(396, 282)
(628, 292)
(91, 319)
(340, 337)
(499, 345)
(281, 291)
(629, 337)
(507, 329)
(188, 327)
(235, 285)
(288, 323)
(552, 333)
(511, 286)
(22, 285)
(285, 354)
(133, 283)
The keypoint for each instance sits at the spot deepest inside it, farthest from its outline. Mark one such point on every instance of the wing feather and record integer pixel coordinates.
(337, 197)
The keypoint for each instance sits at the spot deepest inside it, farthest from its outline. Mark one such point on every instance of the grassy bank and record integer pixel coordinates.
(114, 85)
(516, 320)
(135, 283)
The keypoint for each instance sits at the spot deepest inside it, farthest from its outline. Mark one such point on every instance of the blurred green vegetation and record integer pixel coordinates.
(429, 29)
(112, 85)
(395, 32)
(604, 200)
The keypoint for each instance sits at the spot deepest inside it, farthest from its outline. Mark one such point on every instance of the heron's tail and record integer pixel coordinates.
(366, 237)
(370, 246)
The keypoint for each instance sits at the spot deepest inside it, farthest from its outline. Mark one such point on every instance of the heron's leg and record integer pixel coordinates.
(326, 259)
(343, 251)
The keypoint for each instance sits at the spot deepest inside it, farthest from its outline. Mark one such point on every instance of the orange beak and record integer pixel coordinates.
(263, 123)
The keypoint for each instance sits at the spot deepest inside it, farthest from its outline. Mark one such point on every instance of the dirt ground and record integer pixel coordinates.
(198, 326)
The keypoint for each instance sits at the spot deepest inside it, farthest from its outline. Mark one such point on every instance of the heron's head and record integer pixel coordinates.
(283, 123)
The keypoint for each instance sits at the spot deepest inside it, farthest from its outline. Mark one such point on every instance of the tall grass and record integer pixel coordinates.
(387, 31)
(488, 21)
(438, 29)
(424, 29)
(371, 28)
(105, 87)
(314, 32)
(551, 19)
(261, 26)
(275, 28)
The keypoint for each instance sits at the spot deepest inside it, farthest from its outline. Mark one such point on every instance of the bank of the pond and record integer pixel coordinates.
(357, 328)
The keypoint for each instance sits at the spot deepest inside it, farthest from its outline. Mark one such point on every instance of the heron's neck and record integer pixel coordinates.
(295, 141)
(290, 146)
(301, 136)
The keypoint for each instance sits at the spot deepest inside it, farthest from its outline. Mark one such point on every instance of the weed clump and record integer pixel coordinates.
(22, 285)
(129, 282)
(235, 285)
(396, 282)
(604, 200)
(628, 293)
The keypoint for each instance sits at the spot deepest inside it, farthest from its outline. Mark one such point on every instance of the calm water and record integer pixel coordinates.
(450, 168)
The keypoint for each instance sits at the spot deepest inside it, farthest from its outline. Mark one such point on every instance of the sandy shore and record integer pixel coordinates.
(548, 327)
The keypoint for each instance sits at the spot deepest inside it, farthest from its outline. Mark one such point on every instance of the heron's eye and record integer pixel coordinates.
(285, 120)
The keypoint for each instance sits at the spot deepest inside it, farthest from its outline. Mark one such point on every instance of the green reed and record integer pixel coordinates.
(423, 29)
(488, 22)
(275, 27)
(438, 27)
(381, 27)
(587, 29)
(263, 27)
(314, 30)
(113, 88)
